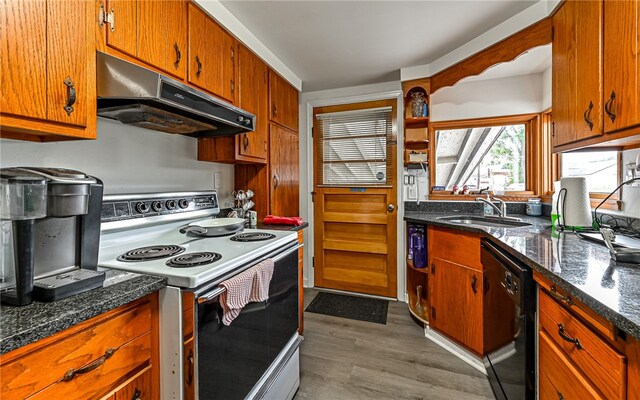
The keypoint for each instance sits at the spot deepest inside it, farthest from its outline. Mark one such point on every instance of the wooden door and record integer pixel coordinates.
(355, 227)
(588, 31)
(283, 102)
(162, 35)
(284, 166)
(252, 97)
(124, 35)
(67, 62)
(621, 70)
(455, 306)
(23, 61)
(563, 91)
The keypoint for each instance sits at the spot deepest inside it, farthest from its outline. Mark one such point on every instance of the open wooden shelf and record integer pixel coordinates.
(416, 122)
(417, 142)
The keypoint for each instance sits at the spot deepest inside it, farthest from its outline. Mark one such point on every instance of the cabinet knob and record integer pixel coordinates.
(587, 116)
(608, 104)
(199, 70)
(178, 55)
(71, 95)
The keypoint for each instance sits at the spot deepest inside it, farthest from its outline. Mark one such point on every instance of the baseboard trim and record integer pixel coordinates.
(455, 349)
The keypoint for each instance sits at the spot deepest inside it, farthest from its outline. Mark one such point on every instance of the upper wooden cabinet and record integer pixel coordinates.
(123, 34)
(211, 55)
(253, 97)
(595, 74)
(577, 72)
(283, 102)
(47, 66)
(621, 69)
(162, 35)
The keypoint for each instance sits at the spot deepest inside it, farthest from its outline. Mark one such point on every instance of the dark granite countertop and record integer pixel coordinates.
(581, 267)
(20, 326)
(282, 227)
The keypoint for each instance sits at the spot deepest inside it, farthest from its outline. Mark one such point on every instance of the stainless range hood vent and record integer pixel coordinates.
(140, 97)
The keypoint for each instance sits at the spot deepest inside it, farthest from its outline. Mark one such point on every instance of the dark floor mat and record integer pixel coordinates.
(352, 307)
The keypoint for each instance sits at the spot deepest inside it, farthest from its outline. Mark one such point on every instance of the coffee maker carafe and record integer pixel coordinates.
(64, 243)
(23, 200)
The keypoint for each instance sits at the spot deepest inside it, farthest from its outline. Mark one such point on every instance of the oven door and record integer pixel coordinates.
(232, 359)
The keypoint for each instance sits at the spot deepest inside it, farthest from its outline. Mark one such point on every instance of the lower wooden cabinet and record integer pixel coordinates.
(94, 359)
(559, 379)
(140, 387)
(301, 283)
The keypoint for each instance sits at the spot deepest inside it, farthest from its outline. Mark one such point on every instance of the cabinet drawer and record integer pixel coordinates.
(96, 381)
(598, 322)
(138, 388)
(455, 246)
(43, 366)
(559, 379)
(602, 364)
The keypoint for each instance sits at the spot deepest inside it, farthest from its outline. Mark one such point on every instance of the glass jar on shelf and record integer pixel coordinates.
(417, 104)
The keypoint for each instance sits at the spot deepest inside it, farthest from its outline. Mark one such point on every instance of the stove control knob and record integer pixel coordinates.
(156, 206)
(183, 203)
(142, 208)
(171, 204)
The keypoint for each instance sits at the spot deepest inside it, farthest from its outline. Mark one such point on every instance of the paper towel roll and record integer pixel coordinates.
(576, 208)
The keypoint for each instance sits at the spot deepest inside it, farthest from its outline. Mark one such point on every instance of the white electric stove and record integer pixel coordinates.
(141, 233)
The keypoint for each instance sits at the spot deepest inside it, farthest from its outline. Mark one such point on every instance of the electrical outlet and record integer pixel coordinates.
(412, 194)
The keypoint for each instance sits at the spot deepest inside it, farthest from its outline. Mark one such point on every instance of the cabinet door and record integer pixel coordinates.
(67, 76)
(140, 388)
(162, 35)
(456, 303)
(621, 71)
(283, 102)
(221, 47)
(563, 91)
(283, 163)
(124, 35)
(23, 62)
(252, 96)
(588, 30)
(198, 66)
(189, 370)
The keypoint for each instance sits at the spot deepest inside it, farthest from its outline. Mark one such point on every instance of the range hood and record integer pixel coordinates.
(138, 96)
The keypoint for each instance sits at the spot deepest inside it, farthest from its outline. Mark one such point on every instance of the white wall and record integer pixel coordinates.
(354, 94)
(546, 88)
(127, 159)
(489, 98)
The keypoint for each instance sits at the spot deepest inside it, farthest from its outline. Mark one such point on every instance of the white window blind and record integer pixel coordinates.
(353, 147)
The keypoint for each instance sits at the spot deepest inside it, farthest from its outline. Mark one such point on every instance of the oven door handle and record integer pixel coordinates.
(206, 297)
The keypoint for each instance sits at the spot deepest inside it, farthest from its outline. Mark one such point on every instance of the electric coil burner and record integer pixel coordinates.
(150, 253)
(193, 259)
(252, 237)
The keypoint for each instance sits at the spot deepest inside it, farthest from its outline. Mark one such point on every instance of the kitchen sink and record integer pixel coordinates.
(491, 222)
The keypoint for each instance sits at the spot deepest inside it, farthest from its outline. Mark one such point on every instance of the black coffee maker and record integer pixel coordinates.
(55, 235)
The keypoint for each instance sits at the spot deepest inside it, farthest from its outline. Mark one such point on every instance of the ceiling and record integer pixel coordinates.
(333, 44)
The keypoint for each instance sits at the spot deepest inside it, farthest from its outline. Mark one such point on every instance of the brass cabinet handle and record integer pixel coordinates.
(71, 95)
(587, 116)
(568, 338)
(560, 396)
(275, 181)
(199, 66)
(191, 366)
(558, 296)
(178, 55)
(607, 106)
(274, 111)
(474, 282)
(245, 142)
(137, 394)
(70, 374)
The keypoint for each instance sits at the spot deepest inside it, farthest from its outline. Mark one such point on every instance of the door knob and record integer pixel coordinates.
(391, 207)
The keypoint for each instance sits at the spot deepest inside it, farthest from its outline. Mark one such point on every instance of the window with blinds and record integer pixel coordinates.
(354, 147)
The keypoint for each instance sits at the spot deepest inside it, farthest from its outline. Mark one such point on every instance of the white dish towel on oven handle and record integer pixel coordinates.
(248, 286)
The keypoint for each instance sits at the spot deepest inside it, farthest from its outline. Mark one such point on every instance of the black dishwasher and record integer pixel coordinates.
(511, 368)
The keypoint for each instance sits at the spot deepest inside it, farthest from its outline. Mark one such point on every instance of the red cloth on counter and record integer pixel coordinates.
(275, 220)
(249, 286)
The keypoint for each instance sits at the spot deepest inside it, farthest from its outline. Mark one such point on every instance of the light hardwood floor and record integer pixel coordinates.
(344, 359)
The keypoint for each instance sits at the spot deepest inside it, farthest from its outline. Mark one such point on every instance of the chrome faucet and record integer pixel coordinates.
(502, 210)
